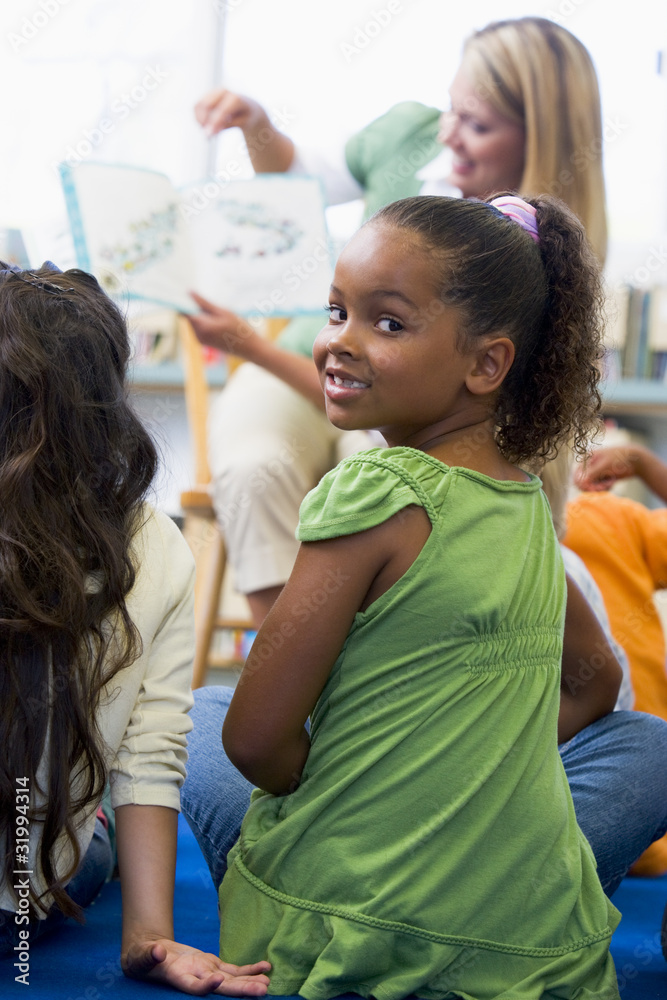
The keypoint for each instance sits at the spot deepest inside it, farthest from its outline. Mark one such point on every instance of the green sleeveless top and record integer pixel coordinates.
(431, 847)
(385, 158)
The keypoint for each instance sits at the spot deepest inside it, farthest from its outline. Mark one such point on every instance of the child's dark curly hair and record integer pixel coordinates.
(547, 298)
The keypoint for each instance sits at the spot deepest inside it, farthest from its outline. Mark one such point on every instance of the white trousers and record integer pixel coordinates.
(268, 446)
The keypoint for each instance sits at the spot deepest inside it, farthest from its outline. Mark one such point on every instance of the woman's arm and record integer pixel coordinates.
(270, 151)
(224, 330)
(591, 675)
(146, 838)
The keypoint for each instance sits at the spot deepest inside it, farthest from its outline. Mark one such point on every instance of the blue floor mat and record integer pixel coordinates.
(81, 963)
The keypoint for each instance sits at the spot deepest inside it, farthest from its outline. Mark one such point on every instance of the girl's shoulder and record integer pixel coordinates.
(368, 488)
(159, 550)
(371, 486)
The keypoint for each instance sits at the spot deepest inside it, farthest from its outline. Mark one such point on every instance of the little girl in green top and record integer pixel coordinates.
(421, 839)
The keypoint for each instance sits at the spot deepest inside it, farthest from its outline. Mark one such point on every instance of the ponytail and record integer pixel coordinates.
(550, 395)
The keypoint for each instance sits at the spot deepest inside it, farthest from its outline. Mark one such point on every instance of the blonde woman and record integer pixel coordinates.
(525, 116)
(541, 80)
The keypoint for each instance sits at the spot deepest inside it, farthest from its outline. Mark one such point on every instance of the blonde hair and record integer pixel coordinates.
(534, 72)
(556, 478)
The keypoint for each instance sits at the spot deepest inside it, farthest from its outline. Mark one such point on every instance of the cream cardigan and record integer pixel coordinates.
(143, 716)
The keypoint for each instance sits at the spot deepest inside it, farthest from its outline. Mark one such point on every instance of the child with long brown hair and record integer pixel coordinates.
(96, 635)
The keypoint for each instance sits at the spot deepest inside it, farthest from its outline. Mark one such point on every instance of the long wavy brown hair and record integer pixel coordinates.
(75, 466)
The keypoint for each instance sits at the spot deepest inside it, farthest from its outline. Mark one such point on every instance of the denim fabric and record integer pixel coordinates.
(615, 768)
(215, 796)
(95, 869)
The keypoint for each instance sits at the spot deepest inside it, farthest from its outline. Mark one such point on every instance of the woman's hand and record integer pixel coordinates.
(221, 109)
(270, 151)
(220, 328)
(223, 329)
(192, 971)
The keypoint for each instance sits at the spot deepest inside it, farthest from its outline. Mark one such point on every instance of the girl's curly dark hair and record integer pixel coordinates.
(547, 298)
(75, 466)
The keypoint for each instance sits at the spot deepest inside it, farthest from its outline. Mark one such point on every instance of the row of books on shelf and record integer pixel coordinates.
(233, 644)
(637, 334)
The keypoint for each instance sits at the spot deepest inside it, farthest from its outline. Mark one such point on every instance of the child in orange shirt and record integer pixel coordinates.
(624, 545)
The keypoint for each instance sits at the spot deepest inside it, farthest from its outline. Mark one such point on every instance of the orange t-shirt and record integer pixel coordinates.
(624, 545)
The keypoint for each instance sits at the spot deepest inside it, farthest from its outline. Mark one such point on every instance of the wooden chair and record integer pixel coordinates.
(200, 526)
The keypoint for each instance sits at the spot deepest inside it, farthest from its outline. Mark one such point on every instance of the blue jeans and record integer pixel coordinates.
(616, 769)
(93, 872)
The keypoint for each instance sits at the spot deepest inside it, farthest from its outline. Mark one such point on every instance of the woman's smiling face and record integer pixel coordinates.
(389, 356)
(488, 148)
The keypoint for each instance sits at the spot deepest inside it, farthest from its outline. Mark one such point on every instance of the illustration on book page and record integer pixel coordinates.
(261, 245)
(128, 230)
(257, 247)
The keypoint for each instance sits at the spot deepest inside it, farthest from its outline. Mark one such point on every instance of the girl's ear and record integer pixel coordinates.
(491, 363)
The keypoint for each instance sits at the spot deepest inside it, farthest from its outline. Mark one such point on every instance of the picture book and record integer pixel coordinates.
(257, 246)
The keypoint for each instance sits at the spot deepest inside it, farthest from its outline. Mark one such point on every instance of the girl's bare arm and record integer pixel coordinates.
(300, 640)
(591, 675)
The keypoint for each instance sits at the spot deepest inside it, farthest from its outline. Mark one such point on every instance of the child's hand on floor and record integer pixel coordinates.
(192, 971)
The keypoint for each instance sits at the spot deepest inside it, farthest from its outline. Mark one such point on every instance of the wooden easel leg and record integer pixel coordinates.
(206, 611)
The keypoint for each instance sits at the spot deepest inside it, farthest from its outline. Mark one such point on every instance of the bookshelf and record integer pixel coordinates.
(640, 406)
(634, 397)
(169, 375)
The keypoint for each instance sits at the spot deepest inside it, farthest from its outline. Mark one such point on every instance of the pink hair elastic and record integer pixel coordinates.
(519, 210)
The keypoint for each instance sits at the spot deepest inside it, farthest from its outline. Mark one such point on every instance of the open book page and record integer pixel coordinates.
(261, 245)
(128, 231)
(257, 246)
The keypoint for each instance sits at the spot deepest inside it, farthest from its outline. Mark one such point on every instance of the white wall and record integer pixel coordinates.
(316, 65)
(326, 69)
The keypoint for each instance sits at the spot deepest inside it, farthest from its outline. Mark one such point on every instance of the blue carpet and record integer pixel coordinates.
(81, 963)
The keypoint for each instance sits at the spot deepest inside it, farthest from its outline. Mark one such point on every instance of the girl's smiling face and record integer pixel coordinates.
(488, 148)
(389, 357)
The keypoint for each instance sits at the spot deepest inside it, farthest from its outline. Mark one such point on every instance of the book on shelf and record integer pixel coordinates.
(257, 247)
(12, 247)
(657, 333)
(636, 340)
